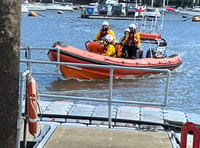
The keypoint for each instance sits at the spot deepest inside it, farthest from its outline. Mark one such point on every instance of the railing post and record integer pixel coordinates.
(20, 104)
(29, 64)
(58, 60)
(110, 98)
(166, 89)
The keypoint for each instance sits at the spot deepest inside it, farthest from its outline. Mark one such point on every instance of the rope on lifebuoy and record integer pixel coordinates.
(32, 106)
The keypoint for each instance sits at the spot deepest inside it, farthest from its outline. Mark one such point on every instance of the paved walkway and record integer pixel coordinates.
(79, 137)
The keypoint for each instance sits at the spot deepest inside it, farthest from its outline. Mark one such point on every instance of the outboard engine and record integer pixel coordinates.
(117, 10)
(130, 10)
(103, 9)
(161, 49)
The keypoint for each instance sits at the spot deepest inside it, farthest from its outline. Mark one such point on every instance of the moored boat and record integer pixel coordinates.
(59, 7)
(34, 6)
(113, 10)
(24, 8)
(152, 12)
(154, 59)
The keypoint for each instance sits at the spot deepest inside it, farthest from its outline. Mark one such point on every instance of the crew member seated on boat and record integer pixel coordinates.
(105, 30)
(109, 45)
(132, 41)
(124, 47)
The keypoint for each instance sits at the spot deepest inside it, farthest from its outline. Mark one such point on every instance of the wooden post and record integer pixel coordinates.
(10, 19)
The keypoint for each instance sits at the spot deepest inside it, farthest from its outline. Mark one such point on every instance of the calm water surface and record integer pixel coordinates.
(182, 38)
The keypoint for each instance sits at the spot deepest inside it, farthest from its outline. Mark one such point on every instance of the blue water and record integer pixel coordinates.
(182, 38)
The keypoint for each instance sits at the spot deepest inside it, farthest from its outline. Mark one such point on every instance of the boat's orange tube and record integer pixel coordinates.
(149, 36)
(95, 47)
(75, 55)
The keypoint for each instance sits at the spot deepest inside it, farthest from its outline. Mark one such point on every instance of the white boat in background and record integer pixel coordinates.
(24, 8)
(58, 7)
(33, 6)
(75, 7)
(196, 9)
(189, 12)
(152, 12)
(112, 10)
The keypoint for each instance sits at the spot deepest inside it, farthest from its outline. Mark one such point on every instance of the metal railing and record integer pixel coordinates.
(29, 61)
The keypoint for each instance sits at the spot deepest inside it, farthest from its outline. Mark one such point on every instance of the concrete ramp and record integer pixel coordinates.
(82, 137)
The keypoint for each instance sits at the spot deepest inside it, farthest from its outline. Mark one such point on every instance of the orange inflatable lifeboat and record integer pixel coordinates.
(32, 106)
(76, 55)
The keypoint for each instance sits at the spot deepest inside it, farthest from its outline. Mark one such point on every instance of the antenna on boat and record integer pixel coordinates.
(136, 5)
(152, 3)
(162, 17)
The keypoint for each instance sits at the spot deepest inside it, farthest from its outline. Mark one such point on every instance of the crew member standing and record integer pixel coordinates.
(105, 30)
(124, 47)
(132, 42)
